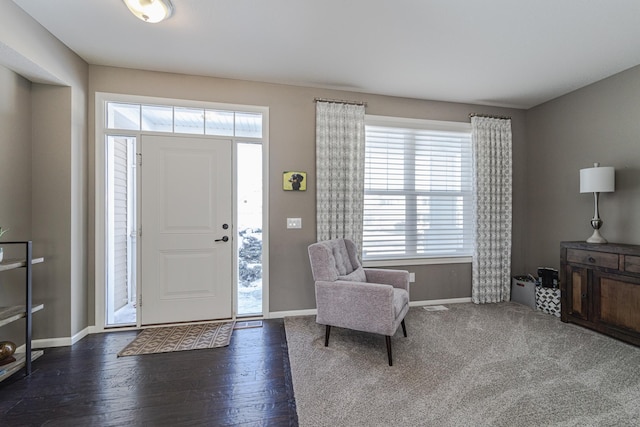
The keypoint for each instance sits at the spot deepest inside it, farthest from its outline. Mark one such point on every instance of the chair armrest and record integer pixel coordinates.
(355, 305)
(395, 278)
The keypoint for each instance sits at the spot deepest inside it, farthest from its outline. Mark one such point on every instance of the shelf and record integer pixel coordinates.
(13, 367)
(11, 314)
(13, 263)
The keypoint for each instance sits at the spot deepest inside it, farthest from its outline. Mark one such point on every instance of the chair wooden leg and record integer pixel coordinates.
(327, 331)
(388, 338)
(404, 328)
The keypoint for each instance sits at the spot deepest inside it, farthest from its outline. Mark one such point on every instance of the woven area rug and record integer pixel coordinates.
(472, 365)
(180, 338)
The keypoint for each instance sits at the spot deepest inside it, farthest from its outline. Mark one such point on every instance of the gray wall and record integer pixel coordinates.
(598, 123)
(55, 217)
(15, 187)
(292, 147)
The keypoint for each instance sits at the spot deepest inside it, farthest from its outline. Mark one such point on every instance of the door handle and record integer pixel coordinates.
(224, 239)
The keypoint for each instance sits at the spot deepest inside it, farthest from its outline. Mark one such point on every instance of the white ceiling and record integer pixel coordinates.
(513, 53)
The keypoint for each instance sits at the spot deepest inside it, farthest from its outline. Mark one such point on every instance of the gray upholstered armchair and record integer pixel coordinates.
(350, 296)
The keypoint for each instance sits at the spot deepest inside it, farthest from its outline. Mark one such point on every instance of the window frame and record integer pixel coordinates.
(419, 124)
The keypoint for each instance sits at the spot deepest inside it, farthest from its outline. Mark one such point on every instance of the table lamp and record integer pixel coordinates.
(597, 180)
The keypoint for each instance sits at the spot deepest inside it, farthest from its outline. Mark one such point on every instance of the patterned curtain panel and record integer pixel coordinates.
(339, 170)
(491, 271)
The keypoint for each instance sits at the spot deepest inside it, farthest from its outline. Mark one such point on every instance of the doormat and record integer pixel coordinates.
(180, 338)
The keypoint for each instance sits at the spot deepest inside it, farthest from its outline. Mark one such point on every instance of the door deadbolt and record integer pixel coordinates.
(225, 226)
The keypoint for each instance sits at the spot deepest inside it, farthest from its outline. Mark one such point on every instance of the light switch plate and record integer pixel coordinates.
(294, 222)
(412, 277)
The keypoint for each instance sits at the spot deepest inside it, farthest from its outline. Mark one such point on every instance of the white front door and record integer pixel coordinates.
(187, 230)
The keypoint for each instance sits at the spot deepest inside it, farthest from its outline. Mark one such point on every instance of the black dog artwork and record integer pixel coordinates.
(295, 181)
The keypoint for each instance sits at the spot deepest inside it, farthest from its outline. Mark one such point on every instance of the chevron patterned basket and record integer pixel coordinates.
(548, 300)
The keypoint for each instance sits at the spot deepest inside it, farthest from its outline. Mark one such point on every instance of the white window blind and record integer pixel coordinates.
(418, 189)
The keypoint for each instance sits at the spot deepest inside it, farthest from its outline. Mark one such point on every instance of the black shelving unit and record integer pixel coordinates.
(13, 313)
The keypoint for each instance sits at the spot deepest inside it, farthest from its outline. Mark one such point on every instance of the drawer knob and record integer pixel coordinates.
(592, 259)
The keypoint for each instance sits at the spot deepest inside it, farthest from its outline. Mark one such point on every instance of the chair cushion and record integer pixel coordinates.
(343, 264)
(400, 299)
(357, 275)
(333, 259)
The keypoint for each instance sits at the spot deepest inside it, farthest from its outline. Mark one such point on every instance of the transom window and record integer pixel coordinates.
(173, 119)
(418, 189)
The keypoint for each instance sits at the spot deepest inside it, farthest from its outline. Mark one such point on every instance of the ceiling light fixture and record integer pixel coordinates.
(152, 11)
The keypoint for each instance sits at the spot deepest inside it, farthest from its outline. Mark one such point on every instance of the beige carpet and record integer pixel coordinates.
(180, 338)
(473, 365)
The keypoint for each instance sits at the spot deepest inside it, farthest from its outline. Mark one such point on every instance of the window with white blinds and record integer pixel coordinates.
(418, 189)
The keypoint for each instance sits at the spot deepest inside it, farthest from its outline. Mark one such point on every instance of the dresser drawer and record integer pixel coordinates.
(592, 258)
(632, 264)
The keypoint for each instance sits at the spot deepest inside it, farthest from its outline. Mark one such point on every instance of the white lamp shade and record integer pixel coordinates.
(597, 180)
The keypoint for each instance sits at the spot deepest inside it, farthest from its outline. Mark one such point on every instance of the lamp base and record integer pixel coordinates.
(596, 237)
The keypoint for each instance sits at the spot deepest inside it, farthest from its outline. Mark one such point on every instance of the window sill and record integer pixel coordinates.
(416, 261)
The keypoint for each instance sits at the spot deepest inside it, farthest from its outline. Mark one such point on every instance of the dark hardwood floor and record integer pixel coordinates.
(247, 383)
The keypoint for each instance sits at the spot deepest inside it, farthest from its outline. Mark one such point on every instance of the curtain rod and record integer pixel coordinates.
(340, 101)
(489, 116)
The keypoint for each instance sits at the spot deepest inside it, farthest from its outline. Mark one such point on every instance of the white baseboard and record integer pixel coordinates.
(83, 333)
(60, 342)
(95, 330)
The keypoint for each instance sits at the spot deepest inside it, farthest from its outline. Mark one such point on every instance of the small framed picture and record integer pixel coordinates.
(294, 181)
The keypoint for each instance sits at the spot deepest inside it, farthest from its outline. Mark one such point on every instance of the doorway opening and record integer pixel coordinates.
(126, 120)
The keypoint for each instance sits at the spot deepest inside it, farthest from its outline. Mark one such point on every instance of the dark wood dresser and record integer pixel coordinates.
(600, 288)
